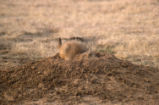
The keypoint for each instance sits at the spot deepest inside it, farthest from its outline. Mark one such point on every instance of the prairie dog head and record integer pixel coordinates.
(70, 49)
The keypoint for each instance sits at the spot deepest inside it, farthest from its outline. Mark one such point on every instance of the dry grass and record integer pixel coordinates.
(127, 28)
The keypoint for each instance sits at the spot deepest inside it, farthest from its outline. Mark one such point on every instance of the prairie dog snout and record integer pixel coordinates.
(70, 49)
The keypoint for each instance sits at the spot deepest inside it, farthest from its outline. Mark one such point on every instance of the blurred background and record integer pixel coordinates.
(129, 29)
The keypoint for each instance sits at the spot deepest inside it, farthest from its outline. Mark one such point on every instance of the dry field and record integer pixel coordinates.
(126, 28)
(129, 29)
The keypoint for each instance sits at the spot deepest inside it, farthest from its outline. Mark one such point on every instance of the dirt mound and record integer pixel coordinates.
(91, 74)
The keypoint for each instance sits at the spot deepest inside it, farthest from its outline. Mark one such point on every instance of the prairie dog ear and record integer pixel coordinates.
(59, 42)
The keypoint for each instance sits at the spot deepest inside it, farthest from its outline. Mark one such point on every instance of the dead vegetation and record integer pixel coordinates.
(127, 29)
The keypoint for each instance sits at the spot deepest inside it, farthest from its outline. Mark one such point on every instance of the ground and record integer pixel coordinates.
(125, 29)
(91, 78)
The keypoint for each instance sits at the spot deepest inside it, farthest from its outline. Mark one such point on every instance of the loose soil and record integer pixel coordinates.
(97, 75)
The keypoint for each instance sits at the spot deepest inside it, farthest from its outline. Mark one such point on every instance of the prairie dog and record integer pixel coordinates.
(70, 49)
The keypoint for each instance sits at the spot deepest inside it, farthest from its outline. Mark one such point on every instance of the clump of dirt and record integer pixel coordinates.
(90, 74)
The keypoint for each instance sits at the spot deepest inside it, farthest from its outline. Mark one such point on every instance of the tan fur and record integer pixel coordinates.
(70, 49)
